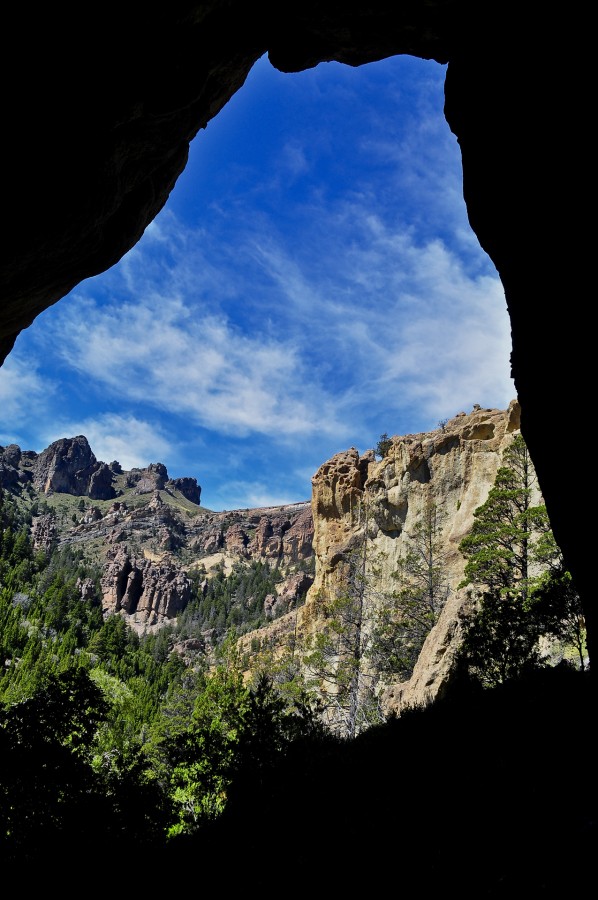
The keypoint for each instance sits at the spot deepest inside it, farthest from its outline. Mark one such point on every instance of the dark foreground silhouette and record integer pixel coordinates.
(484, 794)
(487, 794)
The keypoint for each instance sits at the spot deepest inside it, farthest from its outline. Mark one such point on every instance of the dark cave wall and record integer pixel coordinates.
(525, 173)
(99, 109)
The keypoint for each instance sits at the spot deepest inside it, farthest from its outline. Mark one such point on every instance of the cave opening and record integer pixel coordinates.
(312, 282)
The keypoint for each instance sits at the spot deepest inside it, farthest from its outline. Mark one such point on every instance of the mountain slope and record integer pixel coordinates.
(147, 532)
(153, 541)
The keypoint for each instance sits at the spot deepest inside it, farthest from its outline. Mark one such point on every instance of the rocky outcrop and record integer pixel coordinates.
(13, 475)
(280, 534)
(148, 585)
(148, 594)
(146, 481)
(68, 466)
(454, 467)
(436, 665)
(291, 593)
(357, 498)
(154, 525)
(168, 535)
(44, 533)
(188, 487)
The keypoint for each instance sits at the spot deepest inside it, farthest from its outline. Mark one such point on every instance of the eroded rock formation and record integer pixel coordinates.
(68, 466)
(151, 587)
(146, 593)
(359, 498)
(188, 487)
(147, 532)
(280, 534)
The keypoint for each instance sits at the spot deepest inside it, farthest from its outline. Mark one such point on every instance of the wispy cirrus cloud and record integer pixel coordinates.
(385, 321)
(200, 367)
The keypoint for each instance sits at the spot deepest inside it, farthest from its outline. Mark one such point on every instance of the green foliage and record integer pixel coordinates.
(369, 634)
(234, 600)
(336, 657)
(276, 725)
(502, 642)
(383, 446)
(201, 756)
(107, 732)
(217, 735)
(46, 744)
(555, 602)
(514, 562)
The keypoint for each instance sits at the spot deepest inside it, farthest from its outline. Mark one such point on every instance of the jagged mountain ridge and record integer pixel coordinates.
(69, 466)
(148, 531)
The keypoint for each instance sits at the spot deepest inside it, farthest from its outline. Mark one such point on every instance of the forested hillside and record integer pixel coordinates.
(169, 742)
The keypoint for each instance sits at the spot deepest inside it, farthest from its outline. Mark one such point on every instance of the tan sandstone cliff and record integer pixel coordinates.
(454, 468)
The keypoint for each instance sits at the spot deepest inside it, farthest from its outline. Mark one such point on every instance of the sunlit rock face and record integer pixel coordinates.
(281, 535)
(374, 505)
(452, 467)
(94, 148)
(151, 590)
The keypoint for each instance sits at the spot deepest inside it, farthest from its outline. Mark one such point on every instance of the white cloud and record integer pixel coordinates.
(370, 318)
(24, 394)
(201, 367)
(293, 159)
(401, 324)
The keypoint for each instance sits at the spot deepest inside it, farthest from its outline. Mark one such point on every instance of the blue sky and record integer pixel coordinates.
(312, 283)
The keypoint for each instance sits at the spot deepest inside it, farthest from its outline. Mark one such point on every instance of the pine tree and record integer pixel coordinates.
(403, 619)
(507, 553)
(337, 657)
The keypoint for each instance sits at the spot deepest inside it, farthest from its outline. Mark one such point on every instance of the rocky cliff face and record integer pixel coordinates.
(150, 585)
(281, 534)
(151, 538)
(69, 466)
(357, 498)
(148, 532)
(146, 592)
(454, 467)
